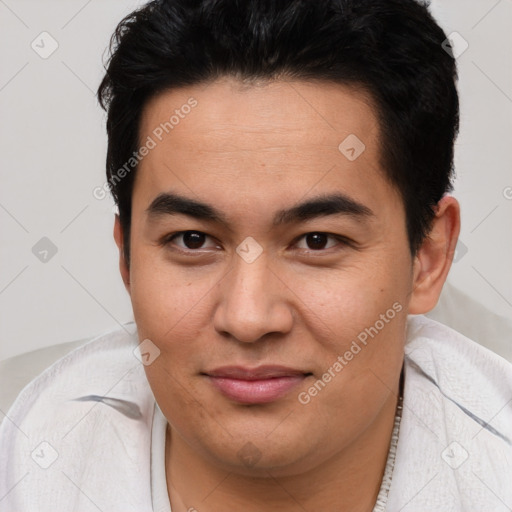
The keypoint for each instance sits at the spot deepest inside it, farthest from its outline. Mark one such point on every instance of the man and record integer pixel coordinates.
(282, 172)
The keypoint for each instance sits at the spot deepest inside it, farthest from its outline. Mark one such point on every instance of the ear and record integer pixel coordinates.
(123, 267)
(434, 258)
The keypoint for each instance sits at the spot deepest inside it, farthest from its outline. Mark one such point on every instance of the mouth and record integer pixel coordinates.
(259, 385)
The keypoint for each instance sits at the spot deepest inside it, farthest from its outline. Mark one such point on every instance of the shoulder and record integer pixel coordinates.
(88, 366)
(455, 437)
(450, 357)
(457, 369)
(74, 422)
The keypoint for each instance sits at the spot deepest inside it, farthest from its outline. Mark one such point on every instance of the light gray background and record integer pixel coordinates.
(52, 154)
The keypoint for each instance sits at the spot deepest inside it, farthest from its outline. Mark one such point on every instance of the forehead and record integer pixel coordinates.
(262, 143)
(261, 112)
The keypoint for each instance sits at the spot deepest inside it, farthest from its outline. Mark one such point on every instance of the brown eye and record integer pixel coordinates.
(316, 241)
(188, 240)
(193, 239)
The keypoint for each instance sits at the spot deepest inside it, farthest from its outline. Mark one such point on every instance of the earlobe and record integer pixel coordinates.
(123, 267)
(434, 258)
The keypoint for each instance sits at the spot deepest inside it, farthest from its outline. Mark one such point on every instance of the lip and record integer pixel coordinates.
(259, 385)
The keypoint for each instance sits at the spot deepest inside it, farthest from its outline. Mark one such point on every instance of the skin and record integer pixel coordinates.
(250, 151)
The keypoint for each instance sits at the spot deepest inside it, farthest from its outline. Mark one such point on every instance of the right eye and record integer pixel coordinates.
(191, 240)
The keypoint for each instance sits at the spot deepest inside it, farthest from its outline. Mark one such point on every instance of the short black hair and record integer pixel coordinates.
(389, 48)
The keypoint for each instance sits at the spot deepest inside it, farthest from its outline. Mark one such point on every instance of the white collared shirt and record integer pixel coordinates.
(85, 434)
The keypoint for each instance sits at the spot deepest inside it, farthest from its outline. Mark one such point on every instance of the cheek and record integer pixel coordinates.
(361, 356)
(165, 299)
(341, 303)
(169, 309)
(358, 314)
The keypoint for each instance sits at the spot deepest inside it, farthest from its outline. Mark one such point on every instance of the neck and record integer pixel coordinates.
(348, 481)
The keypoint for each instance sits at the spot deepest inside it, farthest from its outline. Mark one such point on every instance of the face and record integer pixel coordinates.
(279, 303)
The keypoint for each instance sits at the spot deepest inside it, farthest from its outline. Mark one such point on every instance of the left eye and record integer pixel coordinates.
(317, 241)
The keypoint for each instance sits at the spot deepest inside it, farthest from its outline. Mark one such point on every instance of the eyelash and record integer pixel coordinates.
(167, 240)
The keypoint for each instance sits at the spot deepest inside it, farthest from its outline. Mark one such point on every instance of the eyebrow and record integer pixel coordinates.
(320, 206)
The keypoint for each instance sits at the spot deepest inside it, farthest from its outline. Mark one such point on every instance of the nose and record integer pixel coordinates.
(253, 302)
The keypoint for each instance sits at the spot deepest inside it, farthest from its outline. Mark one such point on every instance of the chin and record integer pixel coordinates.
(260, 456)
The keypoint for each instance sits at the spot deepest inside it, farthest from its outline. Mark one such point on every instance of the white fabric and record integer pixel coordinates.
(159, 493)
(16, 372)
(457, 405)
(95, 409)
